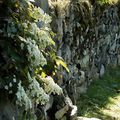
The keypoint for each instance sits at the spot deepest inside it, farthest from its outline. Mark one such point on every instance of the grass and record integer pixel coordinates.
(108, 1)
(102, 99)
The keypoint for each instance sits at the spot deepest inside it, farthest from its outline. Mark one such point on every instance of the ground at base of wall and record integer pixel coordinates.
(85, 118)
(102, 99)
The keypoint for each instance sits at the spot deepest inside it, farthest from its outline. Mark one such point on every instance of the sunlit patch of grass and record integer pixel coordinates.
(113, 107)
(108, 1)
(102, 99)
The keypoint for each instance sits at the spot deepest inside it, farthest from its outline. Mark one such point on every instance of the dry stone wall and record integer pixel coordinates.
(88, 38)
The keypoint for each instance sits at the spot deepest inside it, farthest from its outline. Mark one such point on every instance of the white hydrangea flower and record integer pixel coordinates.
(10, 92)
(6, 87)
(51, 87)
(32, 0)
(47, 19)
(14, 80)
(37, 93)
(22, 46)
(44, 17)
(35, 55)
(41, 36)
(22, 98)
(45, 39)
(10, 84)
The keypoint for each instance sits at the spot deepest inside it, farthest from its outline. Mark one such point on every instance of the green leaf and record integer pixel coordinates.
(43, 74)
(61, 62)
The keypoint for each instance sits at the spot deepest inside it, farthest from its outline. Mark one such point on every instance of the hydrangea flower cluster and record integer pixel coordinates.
(36, 94)
(51, 87)
(34, 54)
(22, 98)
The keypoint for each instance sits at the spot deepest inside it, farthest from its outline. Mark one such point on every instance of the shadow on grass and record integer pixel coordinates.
(98, 96)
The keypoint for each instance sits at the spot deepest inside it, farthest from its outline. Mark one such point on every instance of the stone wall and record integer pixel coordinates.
(88, 38)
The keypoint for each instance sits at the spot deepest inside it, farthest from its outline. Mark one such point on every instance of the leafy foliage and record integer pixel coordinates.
(25, 45)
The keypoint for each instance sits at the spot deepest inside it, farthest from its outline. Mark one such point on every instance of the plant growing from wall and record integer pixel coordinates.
(25, 44)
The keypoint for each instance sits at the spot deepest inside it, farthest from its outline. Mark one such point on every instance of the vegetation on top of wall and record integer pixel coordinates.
(59, 6)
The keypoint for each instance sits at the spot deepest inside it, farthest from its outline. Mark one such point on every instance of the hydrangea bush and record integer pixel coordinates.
(24, 37)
